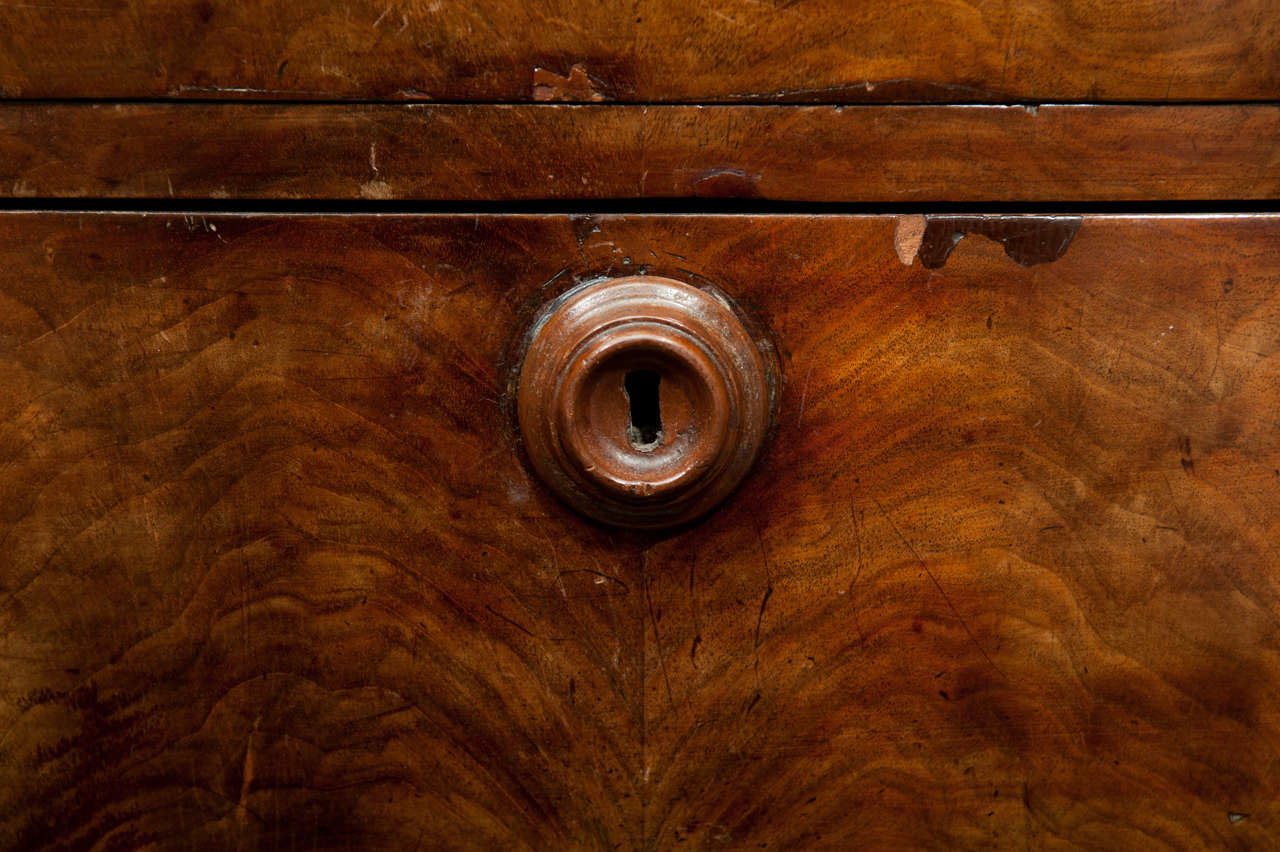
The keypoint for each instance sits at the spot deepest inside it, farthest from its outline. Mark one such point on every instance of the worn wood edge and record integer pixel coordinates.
(643, 51)
(561, 152)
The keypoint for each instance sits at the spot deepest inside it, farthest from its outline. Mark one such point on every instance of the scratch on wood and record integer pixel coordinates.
(947, 598)
(517, 625)
(246, 776)
(768, 589)
(858, 521)
(657, 639)
(804, 394)
(764, 601)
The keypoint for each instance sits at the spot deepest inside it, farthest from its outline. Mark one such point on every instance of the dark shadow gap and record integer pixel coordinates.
(644, 432)
(633, 206)
(285, 101)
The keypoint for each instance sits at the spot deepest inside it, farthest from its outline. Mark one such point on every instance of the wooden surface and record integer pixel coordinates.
(858, 154)
(643, 50)
(272, 574)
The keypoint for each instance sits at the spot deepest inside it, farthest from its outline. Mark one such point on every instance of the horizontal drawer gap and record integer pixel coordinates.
(283, 101)
(637, 207)
(439, 153)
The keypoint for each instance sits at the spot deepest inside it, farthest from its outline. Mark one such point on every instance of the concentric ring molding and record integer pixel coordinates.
(716, 386)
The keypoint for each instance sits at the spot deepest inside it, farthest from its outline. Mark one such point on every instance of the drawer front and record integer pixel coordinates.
(275, 571)
(370, 154)
(642, 50)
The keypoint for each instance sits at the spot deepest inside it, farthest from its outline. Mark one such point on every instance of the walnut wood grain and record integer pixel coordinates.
(646, 50)
(273, 574)
(459, 152)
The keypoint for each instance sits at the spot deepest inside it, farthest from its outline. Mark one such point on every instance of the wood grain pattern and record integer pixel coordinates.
(272, 573)
(269, 574)
(643, 50)
(554, 152)
(1008, 576)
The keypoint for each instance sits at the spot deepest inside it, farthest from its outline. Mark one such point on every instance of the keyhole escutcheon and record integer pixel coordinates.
(644, 430)
(643, 401)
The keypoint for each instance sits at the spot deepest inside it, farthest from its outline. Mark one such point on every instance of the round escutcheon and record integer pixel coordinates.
(643, 401)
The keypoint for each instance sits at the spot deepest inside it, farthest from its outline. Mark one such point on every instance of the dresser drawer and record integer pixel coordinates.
(645, 51)
(275, 569)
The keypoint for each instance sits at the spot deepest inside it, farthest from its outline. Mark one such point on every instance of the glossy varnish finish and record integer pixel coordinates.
(916, 154)
(644, 50)
(273, 573)
(643, 401)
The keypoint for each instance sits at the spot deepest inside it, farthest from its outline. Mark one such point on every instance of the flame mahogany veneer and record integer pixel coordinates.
(970, 513)
(275, 574)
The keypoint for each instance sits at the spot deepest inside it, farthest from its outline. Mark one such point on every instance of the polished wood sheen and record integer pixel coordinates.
(643, 400)
(273, 573)
(561, 152)
(643, 50)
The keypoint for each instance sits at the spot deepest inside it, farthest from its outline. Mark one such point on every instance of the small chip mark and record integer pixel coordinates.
(1235, 817)
(908, 236)
(576, 87)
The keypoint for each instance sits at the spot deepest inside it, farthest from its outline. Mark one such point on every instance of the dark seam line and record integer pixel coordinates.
(637, 206)
(733, 102)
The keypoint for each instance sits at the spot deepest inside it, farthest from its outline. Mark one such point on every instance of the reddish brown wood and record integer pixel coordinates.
(346, 152)
(1007, 575)
(272, 572)
(708, 407)
(872, 154)
(646, 50)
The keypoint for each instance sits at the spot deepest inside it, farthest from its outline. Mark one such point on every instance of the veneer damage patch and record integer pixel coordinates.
(1027, 239)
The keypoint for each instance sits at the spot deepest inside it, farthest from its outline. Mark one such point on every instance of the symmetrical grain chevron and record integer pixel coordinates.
(273, 573)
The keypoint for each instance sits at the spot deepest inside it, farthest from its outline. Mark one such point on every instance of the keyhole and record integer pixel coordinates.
(645, 429)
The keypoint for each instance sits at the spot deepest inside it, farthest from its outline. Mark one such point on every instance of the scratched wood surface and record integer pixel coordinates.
(642, 50)
(539, 152)
(272, 573)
